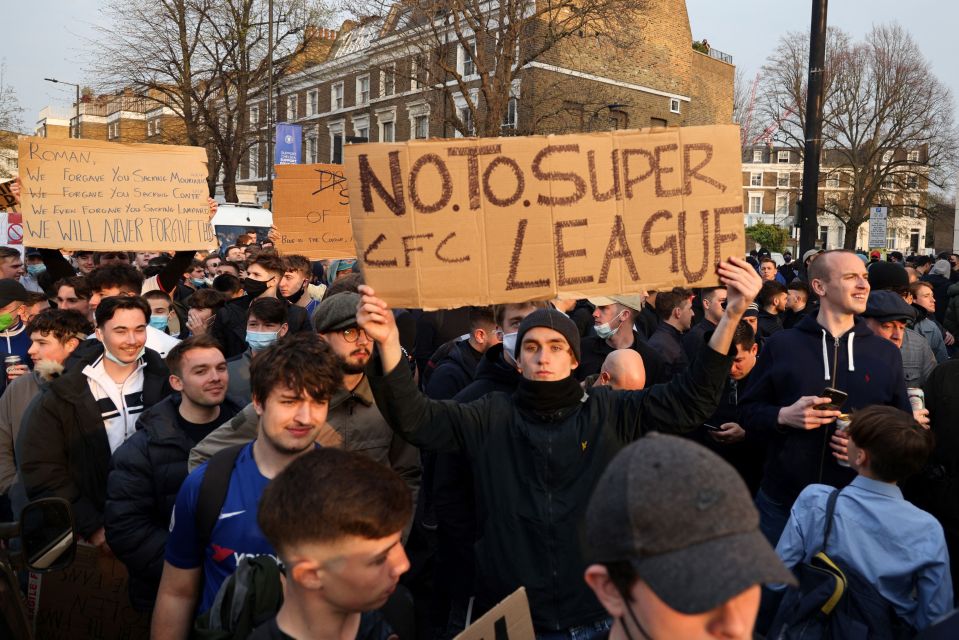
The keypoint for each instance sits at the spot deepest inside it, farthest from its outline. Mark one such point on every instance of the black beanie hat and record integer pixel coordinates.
(551, 319)
(888, 276)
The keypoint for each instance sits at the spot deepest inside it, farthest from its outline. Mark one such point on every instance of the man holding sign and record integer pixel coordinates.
(538, 453)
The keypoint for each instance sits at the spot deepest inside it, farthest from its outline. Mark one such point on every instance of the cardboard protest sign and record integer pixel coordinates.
(509, 620)
(86, 601)
(104, 196)
(448, 223)
(7, 200)
(311, 210)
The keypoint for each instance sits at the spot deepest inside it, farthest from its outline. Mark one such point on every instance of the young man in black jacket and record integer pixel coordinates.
(66, 443)
(538, 454)
(147, 470)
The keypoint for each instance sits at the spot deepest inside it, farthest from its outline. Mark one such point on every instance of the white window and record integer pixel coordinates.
(361, 126)
(891, 238)
(254, 116)
(914, 155)
(336, 96)
(782, 179)
(313, 102)
(254, 155)
(113, 130)
(674, 105)
(756, 179)
(387, 131)
(291, 108)
(421, 127)
(757, 155)
(466, 59)
(832, 181)
(416, 72)
(782, 157)
(782, 204)
(311, 150)
(509, 118)
(156, 126)
(887, 156)
(467, 117)
(362, 90)
(824, 236)
(149, 127)
(755, 203)
(388, 81)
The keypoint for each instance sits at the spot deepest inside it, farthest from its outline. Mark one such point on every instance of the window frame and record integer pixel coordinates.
(753, 175)
(757, 155)
(337, 102)
(312, 102)
(291, 107)
(359, 79)
(674, 105)
(783, 156)
(388, 77)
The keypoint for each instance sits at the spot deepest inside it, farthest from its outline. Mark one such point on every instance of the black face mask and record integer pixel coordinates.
(254, 288)
(293, 298)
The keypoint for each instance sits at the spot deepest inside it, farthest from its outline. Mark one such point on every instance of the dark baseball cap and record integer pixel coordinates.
(684, 519)
(336, 313)
(10, 291)
(888, 305)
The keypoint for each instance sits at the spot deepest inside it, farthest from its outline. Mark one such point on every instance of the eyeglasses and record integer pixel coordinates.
(353, 334)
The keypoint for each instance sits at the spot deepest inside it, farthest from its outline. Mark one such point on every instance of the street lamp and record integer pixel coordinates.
(77, 87)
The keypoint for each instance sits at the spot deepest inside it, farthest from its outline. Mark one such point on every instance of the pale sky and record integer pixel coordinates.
(47, 38)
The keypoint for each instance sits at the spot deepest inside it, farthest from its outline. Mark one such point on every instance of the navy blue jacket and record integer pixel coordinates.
(791, 365)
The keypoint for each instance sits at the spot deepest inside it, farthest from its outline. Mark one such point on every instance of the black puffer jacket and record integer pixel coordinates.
(63, 447)
(534, 474)
(229, 324)
(145, 475)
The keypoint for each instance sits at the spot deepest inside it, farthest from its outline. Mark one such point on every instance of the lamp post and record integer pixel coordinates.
(77, 87)
(269, 111)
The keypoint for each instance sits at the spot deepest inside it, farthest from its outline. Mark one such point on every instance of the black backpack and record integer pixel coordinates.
(253, 594)
(834, 601)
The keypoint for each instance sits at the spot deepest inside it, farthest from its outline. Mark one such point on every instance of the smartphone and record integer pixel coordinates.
(836, 399)
(712, 427)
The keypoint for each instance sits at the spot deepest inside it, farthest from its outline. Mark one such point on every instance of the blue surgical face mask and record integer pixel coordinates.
(259, 340)
(509, 343)
(159, 322)
(36, 269)
(198, 282)
(112, 358)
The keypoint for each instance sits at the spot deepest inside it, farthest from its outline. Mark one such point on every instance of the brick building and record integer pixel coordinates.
(120, 117)
(772, 187)
(374, 86)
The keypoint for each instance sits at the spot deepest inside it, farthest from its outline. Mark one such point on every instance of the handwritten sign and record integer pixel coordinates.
(89, 195)
(311, 210)
(509, 620)
(7, 200)
(447, 223)
(86, 601)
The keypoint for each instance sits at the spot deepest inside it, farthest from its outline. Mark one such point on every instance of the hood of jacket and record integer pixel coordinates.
(810, 326)
(494, 368)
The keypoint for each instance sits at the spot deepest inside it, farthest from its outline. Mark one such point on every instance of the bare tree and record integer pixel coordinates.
(206, 60)
(462, 45)
(888, 123)
(10, 109)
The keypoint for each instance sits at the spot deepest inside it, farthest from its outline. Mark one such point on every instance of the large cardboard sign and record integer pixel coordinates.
(104, 196)
(509, 620)
(311, 210)
(86, 601)
(481, 221)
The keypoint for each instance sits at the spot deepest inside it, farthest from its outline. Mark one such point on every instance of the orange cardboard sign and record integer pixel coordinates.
(448, 223)
(105, 196)
(311, 211)
(509, 620)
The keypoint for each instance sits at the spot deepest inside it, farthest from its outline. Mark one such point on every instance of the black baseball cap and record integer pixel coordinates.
(684, 519)
(11, 291)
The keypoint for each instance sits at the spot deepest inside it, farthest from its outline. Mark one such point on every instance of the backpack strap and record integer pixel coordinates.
(830, 509)
(213, 490)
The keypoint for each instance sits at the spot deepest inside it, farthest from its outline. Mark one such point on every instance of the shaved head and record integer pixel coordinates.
(623, 369)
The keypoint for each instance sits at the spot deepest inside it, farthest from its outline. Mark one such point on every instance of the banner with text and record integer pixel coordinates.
(105, 196)
(311, 210)
(288, 140)
(449, 223)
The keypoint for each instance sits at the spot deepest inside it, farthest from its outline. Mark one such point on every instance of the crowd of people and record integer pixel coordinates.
(646, 466)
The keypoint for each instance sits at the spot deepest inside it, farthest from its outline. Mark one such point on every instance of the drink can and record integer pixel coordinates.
(842, 424)
(9, 362)
(916, 398)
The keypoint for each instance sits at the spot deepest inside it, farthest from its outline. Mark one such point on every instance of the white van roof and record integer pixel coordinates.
(238, 215)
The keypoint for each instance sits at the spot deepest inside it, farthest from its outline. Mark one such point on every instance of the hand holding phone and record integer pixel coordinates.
(836, 397)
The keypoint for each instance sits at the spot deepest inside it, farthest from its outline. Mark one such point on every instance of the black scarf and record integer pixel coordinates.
(548, 397)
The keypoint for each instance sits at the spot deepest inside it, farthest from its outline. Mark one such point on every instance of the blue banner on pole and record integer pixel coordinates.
(288, 143)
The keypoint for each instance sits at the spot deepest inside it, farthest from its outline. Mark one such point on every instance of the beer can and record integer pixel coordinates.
(842, 424)
(10, 362)
(916, 398)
